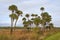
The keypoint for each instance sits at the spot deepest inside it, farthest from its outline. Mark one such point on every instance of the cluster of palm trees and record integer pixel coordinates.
(44, 19)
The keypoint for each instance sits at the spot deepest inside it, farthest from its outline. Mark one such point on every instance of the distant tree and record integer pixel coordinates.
(42, 15)
(12, 8)
(42, 21)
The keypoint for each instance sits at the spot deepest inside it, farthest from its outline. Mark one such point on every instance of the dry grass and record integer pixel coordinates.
(19, 34)
(22, 34)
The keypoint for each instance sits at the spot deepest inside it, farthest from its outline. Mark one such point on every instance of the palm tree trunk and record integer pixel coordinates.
(43, 28)
(11, 26)
(15, 24)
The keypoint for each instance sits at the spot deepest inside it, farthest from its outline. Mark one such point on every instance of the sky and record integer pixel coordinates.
(30, 6)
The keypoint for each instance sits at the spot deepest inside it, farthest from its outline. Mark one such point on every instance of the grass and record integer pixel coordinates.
(22, 34)
(54, 37)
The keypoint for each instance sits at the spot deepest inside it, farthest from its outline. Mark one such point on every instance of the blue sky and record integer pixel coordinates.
(30, 6)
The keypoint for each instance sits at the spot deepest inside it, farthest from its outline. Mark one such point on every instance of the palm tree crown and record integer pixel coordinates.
(42, 8)
(13, 8)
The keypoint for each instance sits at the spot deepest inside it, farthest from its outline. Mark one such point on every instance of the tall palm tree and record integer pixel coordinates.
(42, 9)
(12, 8)
(42, 14)
(42, 21)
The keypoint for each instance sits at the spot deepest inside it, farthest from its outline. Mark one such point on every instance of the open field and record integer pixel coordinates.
(23, 34)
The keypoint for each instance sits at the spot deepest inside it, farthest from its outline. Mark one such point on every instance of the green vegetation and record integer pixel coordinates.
(54, 37)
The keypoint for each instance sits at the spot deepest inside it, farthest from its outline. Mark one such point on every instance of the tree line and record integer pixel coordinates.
(44, 19)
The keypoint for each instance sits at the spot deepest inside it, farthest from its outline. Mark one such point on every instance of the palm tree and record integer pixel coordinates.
(42, 9)
(18, 13)
(12, 8)
(13, 16)
(46, 18)
(42, 14)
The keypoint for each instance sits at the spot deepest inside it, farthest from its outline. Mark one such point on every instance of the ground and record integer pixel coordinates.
(33, 34)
